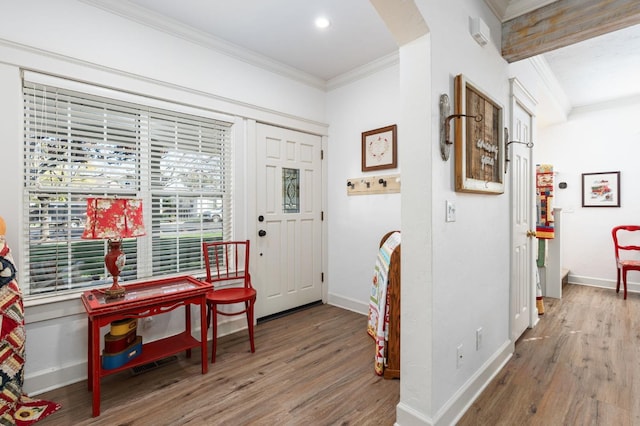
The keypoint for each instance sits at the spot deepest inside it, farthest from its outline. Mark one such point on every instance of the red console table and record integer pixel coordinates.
(143, 300)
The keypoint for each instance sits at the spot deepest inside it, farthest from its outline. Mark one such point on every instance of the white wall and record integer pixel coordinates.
(91, 45)
(595, 140)
(470, 255)
(357, 223)
(465, 283)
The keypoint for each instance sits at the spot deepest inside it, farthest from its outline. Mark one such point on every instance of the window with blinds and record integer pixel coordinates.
(79, 145)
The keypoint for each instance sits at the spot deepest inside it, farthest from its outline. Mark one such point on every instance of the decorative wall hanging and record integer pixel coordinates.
(379, 149)
(544, 200)
(601, 189)
(478, 143)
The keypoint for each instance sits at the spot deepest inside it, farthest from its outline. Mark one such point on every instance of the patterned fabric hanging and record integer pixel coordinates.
(15, 407)
(544, 201)
(378, 319)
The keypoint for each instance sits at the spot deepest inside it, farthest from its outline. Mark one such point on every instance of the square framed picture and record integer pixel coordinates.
(379, 149)
(601, 189)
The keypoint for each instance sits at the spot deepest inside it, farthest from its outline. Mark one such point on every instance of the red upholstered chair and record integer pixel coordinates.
(228, 262)
(623, 245)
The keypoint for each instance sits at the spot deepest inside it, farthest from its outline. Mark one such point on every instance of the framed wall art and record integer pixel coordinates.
(479, 164)
(601, 189)
(379, 149)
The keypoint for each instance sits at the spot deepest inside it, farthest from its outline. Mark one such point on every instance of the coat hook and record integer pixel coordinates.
(382, 182)
(507, 142)
(445, 129)
(350, 184)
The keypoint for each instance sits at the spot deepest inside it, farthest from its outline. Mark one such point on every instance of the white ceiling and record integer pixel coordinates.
(597, 70)
(284, 30)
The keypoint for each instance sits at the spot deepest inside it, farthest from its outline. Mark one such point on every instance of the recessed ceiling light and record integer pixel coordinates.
(322, 22)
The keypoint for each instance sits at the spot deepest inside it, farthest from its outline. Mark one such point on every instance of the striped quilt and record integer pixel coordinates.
(378, 311)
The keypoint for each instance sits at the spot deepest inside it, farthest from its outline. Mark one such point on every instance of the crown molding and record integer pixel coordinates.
(174, 28)
(364, 71)
(630, 101)
(550, 83)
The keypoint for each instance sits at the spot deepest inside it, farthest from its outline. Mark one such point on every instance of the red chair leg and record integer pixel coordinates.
(250, 321)
(618, 281)
(214, 326)
(624, 280)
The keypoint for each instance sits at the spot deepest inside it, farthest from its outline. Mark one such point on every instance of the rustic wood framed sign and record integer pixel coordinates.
(478, 140)
(379, 149)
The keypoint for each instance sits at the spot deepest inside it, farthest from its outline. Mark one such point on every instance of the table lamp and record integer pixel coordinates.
(114, 219)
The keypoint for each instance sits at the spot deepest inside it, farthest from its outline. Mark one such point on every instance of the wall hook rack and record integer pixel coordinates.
(445, 118)
(507, 142)
(366, 185)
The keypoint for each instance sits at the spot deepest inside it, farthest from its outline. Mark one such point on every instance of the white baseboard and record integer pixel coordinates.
(632, 287)
(44, 381)
(460, 402)
(455, 408)
(347, 303)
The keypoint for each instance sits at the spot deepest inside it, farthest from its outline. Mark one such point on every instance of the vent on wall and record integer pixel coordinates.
(480, 31)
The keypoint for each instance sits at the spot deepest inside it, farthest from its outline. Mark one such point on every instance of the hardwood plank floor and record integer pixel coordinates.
(312, 367)
(578, 366)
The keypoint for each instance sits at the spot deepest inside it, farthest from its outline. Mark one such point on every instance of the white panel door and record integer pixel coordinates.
(522, 255)
(288, 248)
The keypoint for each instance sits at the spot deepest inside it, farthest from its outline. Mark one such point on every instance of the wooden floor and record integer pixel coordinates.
(579, 366)
(312, 367)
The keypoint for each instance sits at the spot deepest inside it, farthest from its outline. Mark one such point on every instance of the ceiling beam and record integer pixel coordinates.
(563, 23)
(402, 18)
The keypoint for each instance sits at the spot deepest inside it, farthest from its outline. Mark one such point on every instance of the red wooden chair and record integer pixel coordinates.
(622, 243)
(226, 262)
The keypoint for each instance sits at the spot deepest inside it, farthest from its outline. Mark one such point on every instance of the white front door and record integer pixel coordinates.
(288, 243)
(523, 224)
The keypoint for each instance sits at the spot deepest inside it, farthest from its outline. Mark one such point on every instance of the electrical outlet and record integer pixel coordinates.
(147, 322)
(451, 211)
(459, 356)
(479, 339)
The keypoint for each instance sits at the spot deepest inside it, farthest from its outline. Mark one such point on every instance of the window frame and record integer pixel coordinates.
(145, 189)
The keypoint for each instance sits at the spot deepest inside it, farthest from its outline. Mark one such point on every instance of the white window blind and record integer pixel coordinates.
(78, 145)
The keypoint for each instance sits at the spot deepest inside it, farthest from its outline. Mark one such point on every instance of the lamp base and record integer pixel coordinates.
(114, 293)
(114, 261)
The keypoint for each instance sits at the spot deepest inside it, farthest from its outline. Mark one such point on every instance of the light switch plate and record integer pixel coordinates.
(451, 212)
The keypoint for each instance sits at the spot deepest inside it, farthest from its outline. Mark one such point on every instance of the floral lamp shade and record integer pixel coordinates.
(113, 218)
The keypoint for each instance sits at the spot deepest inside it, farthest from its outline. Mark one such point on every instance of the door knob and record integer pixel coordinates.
(262, 233)
(531, 234)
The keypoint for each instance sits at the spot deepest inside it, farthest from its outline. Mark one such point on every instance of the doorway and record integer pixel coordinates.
(288, 247)
(523, 225)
